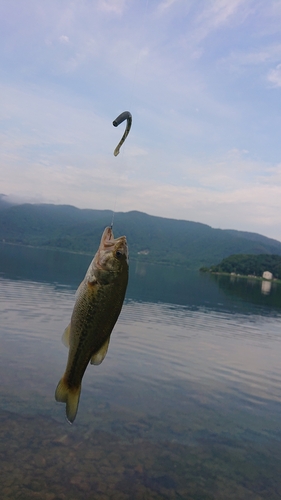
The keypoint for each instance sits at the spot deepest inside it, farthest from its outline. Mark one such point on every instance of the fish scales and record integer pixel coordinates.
(91, 322)
(99, 301)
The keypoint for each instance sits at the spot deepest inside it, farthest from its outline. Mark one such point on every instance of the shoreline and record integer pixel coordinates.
(243, 276)
(135, 258)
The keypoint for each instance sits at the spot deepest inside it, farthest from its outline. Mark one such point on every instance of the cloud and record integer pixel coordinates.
(255, 208)
(64, 39)
(71, 67)
(166, 5)
(274, 76)
(112, 6)
(247, 59)
(73, 165)
(217, 14)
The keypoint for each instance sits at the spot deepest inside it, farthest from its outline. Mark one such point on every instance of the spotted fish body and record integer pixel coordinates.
(98, 304)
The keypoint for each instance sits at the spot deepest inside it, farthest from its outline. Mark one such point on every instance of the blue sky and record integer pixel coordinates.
(202, 79)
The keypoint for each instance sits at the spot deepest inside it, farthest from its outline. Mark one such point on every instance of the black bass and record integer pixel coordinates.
(99, 301)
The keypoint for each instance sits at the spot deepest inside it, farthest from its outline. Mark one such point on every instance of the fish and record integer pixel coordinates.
(99, 300)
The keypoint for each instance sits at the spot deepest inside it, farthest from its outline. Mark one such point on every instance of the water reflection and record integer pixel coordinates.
(151, 283)
(266, 287)
(187, 403)
(264, 294)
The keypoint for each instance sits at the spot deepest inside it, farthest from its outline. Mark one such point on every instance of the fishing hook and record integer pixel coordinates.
(126, 115)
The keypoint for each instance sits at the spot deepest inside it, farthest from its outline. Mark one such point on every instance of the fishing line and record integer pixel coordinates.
(131, 93)
(117, 191)
(126, 115)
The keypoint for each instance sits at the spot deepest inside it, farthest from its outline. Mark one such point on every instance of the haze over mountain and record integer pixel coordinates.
(151, 239)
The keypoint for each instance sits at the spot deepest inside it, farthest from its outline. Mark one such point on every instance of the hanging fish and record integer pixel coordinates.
(99, 301)
(126, 115)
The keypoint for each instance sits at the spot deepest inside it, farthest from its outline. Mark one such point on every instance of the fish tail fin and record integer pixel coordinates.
(70, 396)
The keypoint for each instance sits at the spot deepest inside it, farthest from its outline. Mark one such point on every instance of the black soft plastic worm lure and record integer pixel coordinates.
(126, 115)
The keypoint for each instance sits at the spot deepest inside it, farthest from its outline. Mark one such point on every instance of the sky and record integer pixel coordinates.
(202, 79)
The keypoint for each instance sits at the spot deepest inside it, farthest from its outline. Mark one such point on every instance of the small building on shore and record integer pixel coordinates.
(267, 275)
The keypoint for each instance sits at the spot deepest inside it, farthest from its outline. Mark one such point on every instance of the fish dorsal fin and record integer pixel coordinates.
(65, 336)
(99, 356)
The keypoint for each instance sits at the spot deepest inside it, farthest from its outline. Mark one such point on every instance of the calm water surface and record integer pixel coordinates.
(186, 405)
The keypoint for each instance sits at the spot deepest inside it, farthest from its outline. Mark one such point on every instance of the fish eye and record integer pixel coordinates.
(118, 254)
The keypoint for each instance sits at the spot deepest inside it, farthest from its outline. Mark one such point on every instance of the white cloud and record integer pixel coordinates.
(64, 39)
(112, 6)
(217, 14)
(263, 56)
(274, 76)
(185, 156)
(166, 5)
(231, 191)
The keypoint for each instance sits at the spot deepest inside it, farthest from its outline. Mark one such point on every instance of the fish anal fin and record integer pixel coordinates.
(99, 356)
(65, 336)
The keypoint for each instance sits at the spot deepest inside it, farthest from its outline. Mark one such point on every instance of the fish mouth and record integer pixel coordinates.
(107, 239)
(108, 242)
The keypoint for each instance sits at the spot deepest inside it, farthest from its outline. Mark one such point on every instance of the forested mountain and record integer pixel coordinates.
(250, 265)
(4, 203)
(150, 238)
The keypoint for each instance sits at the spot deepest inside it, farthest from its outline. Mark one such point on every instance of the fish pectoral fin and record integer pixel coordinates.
(65, 336)
(99, 356)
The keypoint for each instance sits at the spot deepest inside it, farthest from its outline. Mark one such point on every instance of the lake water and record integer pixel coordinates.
(186, 405)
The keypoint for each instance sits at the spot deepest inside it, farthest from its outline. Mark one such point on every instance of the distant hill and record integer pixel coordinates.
(4, 203)
(253, 265)
(150, 238)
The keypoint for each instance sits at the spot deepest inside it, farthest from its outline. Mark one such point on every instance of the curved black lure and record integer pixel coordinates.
(126, 115)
